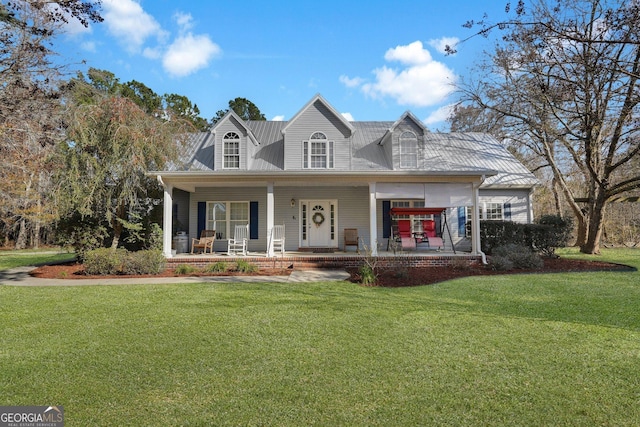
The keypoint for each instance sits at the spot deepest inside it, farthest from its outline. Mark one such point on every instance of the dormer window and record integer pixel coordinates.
(408, 150)
(317, 152)
(231, 150)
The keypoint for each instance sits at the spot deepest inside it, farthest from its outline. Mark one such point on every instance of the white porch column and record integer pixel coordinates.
(530, 205)
(373, 220)
(270, 218)
(475, 221)
(167, 219)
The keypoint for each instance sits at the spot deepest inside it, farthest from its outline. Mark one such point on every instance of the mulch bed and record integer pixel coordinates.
(387, 277)
(401, 277)
(76, 271)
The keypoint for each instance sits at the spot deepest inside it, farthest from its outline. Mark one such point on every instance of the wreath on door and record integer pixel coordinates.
(318, 219)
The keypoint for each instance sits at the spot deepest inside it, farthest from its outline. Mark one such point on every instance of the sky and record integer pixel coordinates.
(370, 60)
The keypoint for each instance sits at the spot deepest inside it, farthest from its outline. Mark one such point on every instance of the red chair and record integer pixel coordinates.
(429, 230)
(406, 236)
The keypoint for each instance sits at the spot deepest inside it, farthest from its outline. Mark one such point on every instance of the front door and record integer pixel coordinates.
(319, 224)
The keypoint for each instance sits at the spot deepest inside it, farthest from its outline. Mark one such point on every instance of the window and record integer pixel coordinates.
(224, 216)
(231, 151)
(416, 220)
(317, 152)
(493, 211)
(408, 150)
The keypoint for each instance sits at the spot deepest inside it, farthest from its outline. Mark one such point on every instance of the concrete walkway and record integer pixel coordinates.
(20, 277)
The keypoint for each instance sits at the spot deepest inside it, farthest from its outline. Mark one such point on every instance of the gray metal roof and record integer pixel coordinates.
(443, 152)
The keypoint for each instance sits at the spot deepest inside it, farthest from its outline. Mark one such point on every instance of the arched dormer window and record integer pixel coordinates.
(231, 150)
(408, 150)
(317, 152)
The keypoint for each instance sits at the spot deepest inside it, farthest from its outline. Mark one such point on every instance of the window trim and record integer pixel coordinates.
(328, 147)
(228, 139)
(408, 137)
(228, 232)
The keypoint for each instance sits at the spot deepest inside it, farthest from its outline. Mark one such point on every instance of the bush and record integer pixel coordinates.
(106, 261)
(544, 237)
(185, 269)
(82, 234)
(519, 256)
(555, 232)
(243, 266)
(144, 262)
(218, 267)
(367, 275)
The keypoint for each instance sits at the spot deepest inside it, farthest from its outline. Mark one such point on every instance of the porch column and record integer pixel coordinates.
(270, 217)
(530, 206)
(167, 218)
(476, 248)
(373, 220)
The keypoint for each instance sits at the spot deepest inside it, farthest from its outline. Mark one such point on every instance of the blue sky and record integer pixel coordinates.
(371, 60)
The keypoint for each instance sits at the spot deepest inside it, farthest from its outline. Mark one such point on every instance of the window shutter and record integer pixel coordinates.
(253, 220)
(462, 220)
(202, 217)
(386, 219)
(507, 211)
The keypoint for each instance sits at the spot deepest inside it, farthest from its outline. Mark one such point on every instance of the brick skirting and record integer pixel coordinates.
(325, 261)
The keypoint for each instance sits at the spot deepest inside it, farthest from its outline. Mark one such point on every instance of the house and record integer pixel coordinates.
(319, 174)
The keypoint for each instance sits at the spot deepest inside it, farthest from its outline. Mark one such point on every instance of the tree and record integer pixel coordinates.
(30, 113)
(181, 106)
(244, 108)
(112, 142)
(565, 80)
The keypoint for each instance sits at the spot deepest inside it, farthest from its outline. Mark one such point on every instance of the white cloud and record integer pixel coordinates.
(128, 22)
(188, 54)
(441, 44)
(420, 82)
(440, 115)
(89, 46)
(184, 20)
(411, 54)
(348, 116)
(348, 82)
(278, 118)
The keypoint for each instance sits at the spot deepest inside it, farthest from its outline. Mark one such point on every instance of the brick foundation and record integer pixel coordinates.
(326, 261)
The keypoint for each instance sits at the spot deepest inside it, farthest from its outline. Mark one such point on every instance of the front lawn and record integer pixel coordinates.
(523, 350)
(11, 259)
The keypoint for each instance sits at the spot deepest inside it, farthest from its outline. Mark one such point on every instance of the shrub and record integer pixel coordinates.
(500, 263)
(106, 261)
(185, 269)
(243, 266)
(519, 256)
(367, 275)
(555, 232)
(460, 264)
(549, 233)
(218, 267)
(144, 262)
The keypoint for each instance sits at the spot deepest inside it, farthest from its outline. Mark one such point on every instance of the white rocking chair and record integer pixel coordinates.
(238, 244)
(277, 238)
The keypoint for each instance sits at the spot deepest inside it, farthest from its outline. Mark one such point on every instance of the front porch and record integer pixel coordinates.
(309, 260)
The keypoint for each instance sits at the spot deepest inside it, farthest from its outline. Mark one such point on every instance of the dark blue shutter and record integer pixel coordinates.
(386, 219)
(253, 220)
(507, 211)
(462, 220)
(202, 217)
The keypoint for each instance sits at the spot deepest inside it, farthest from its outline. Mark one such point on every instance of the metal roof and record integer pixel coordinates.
(446, 153)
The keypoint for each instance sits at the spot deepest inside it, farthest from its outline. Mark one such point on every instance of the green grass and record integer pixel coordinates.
(538, 349)
(12, 259)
